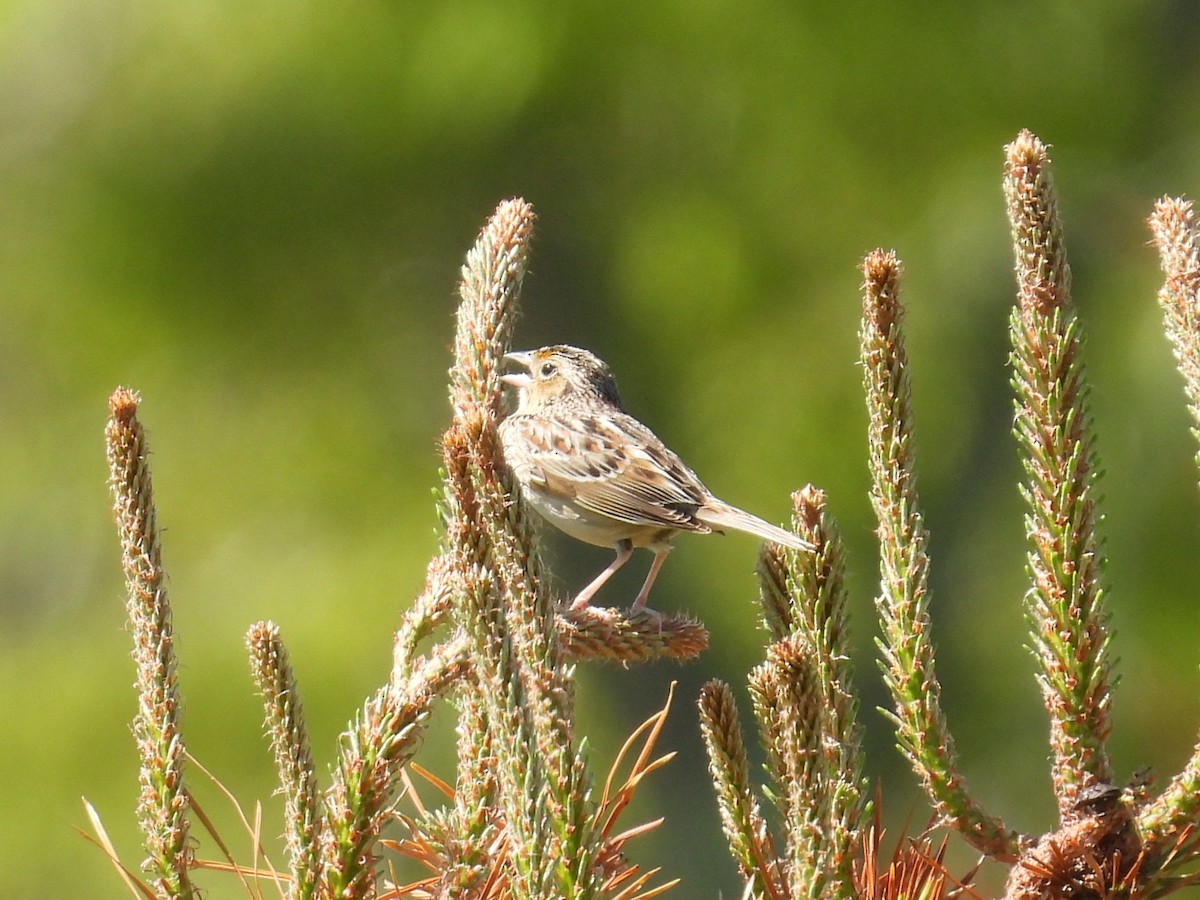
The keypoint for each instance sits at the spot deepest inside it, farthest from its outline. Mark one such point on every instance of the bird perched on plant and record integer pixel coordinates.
(598, 474)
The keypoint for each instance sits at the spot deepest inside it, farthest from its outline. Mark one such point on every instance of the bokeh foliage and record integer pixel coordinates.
(255, 214)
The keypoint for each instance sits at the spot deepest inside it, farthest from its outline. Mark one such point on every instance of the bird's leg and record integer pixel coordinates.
(660, 557)
(624, 551)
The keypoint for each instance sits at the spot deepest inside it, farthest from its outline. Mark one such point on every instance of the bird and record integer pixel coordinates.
(598, 474)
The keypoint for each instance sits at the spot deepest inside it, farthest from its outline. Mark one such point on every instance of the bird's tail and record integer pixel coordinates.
(718, 514)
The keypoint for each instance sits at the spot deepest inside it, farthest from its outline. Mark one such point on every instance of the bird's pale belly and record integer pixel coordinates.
(592, 528)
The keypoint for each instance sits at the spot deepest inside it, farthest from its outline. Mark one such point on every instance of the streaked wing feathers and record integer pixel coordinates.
(611, 465)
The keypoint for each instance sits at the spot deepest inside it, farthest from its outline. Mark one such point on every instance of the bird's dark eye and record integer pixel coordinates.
(548, 369)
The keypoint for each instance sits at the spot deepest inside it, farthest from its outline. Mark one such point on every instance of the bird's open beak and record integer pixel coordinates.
(518, 379)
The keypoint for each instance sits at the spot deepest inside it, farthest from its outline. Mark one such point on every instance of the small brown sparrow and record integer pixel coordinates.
(598, 474)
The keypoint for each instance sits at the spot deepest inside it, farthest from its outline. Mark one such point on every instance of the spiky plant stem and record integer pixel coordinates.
(741, 817)
(903, 603)
(1177, 237)
(518, 711)
(787, 703)
(384, 736)
(163, 805)
(804, 600)
(807, 721)
(431, 608)
(1064, 605)
(628, 636)
(303, 821)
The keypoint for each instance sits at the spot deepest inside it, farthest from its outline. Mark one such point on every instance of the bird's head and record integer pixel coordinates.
(560, 374)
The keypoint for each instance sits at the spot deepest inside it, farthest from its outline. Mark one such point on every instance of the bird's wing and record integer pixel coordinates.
(611, 465)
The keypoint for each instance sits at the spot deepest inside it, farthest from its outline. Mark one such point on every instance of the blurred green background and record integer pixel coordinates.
(254, 213)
